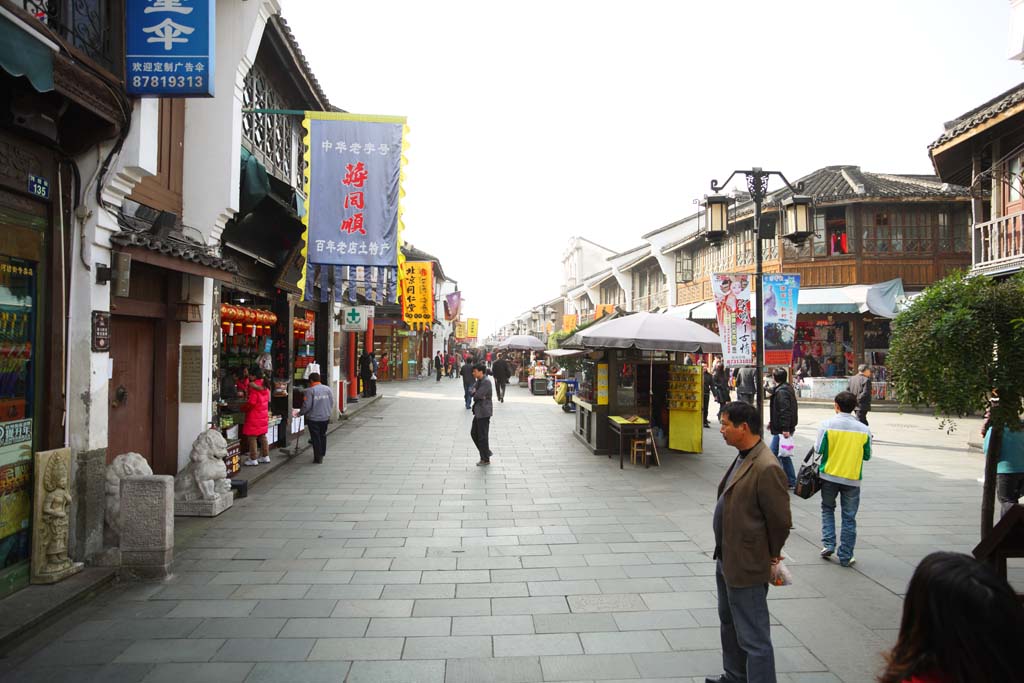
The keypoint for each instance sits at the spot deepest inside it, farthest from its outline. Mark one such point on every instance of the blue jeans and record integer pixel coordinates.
(849, 500)
(747, 653)
(469, 399)
(786, 462)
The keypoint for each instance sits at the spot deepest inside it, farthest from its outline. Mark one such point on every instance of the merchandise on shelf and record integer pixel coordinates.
(684, 387)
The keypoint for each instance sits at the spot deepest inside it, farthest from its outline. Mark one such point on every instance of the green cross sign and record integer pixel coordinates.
(354, 315)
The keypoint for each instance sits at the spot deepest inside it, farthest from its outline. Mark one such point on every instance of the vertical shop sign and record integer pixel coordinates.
(781, 295)
(418, 294)
(602, 310)
(472, 327)
(170, 48)
(602, 384)
(732, 305)
(452, 306)
(569, 322)
(460, 330)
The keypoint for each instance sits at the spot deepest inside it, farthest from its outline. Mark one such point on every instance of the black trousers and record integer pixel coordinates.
(862, 415)
(318, 435)
(480, 433)
(500, 387)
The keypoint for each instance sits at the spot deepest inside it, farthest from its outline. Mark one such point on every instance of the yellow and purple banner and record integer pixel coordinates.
(781, 297)
(735, 328)
(417, 287)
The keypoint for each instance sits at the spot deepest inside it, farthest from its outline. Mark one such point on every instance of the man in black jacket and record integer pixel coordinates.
(783, 419)
(502, 371)
(467, 382)
(483, 408)
(860, 386)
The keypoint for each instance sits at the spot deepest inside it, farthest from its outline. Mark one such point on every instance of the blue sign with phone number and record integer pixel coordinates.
(170, 48)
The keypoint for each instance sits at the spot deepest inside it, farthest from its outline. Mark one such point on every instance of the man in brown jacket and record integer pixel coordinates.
(751, 524)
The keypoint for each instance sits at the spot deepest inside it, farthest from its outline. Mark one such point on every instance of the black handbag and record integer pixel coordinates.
(808, 479)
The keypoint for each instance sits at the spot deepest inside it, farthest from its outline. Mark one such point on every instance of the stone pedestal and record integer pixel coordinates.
(51, 517)
(204, 508)
(147, 526)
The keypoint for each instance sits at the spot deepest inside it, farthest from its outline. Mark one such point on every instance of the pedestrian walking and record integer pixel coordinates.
(961, 623)
(483, 408)
(720, 380)
(746, 383)
(366, 372)
(844, 444)
(382, 367)
(1010, 469)
(708, 384)
(257, 419)
(467, 383)
(782, 419)
(860, 386)
(502, 372)
(438, 365)
(318, 407)
(751, 523)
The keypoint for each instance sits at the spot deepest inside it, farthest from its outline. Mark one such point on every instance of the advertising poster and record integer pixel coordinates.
(418, 294)
(781, 294)
(452, 306)
(735, 328)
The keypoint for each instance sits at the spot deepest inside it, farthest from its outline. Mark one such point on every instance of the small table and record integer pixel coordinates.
(634, 428)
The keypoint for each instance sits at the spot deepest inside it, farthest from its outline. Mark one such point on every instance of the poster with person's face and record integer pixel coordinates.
(781, 293)
(732, 305)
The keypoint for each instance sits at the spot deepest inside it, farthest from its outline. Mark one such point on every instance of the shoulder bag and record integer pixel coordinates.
(808, 479)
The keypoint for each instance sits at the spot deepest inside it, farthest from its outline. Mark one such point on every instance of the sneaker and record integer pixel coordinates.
(265, 459)
(251, 463)
(849, 563)
(483, 462)
(826, 553)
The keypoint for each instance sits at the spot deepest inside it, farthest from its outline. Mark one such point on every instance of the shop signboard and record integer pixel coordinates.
(472, 327)
(732, 305)
(460, 330)
(354, 318)
(602, 384)
(602, 310)
(569, 322)
(417, 285)
(781, 294)
(452, 306)
(170, 48)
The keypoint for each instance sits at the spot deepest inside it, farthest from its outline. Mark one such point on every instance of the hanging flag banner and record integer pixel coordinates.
(732, 303)
(472, 327)
(602, 310)
(452, 306)
(569, 322)
(781, 295)
(460, 330)
(418, 294)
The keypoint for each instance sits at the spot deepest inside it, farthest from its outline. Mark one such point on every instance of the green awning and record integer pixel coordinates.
(23, 53)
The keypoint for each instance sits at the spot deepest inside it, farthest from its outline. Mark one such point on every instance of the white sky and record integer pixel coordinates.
(535, 121)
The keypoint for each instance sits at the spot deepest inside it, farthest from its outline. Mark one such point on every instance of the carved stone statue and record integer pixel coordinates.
(203, 489)
(124, 465)
(50, 561)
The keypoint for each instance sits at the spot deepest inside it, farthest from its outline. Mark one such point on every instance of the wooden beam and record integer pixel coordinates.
(179, 265)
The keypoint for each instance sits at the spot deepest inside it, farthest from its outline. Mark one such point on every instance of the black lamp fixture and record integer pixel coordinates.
(716, 218)
(798, 224)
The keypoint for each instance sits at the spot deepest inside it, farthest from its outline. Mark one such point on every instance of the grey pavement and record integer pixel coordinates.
(400, 560)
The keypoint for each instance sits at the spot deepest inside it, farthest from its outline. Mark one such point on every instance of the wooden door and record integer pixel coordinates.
(130, 416)
(1013, 188)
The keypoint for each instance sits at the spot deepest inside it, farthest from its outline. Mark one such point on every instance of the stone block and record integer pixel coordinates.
(147, 525)
(204, 508)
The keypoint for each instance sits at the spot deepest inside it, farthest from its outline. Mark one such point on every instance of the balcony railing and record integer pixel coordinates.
(650, 302)
(999, 244)
(93, 26)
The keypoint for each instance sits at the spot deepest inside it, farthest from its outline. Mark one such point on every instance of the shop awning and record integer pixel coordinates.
(26, 52)
(882, 299)
(682, 311)
(564, 353)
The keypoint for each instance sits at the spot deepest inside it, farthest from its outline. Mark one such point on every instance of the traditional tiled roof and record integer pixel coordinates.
(135, 233)
(980, 115)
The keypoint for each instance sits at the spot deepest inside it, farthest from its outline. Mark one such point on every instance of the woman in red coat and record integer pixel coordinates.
(257, 418)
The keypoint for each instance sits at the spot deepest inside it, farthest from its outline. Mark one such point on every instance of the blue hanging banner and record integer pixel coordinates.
(169, 46)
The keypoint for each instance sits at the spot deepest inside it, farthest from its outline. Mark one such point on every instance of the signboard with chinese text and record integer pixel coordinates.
(460, 330)
(352, 189)
(732, 306)
(781, 294)
(169, 49)
(569, 322)
(472, 327)
(602, 384)
(602, 310)
(418, 294)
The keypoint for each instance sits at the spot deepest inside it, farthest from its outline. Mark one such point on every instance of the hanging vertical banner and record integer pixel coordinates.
(602, 310)
(781, 295)
(452, 306)
(169, 47)
(568, 322)
(353, 185)
(418, 294)
(732, 304)
(472, 327)
(460, 330)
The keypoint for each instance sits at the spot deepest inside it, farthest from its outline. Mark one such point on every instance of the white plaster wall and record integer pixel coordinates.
(195, 417)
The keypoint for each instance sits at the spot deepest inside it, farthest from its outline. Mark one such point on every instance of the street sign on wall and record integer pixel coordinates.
(170, 48)
(354, 318)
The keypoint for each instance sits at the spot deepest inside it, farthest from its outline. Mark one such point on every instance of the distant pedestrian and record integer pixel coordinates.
(318, 407)
(438, 365)
(502, 371)
(483, 408)
(708, 385)
(746, 383)
(751, 523)
(257, 419)
(860, 387)
(1010, 470)
(845, 445)
(720, 380)
(383, 366)
(961, 623)
(366, 372)
(782, 419)
(450, 366)
(467, 383)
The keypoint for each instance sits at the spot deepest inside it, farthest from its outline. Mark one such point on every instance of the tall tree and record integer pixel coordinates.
(952, 346)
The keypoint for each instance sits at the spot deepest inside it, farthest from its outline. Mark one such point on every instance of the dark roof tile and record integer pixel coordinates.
(981, 114)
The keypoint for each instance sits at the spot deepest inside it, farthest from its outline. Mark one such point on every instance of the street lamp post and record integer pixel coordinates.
(798, 229)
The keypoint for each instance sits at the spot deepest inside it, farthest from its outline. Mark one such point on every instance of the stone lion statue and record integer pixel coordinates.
(206, 476)
(124, 465)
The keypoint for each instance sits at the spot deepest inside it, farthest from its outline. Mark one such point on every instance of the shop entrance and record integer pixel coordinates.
(130, 416)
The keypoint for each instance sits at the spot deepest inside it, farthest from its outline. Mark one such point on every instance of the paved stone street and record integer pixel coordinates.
(399, 560)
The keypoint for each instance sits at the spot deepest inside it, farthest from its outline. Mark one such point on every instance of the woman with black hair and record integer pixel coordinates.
(961, 624)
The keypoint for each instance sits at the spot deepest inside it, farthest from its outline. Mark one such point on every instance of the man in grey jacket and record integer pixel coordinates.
(317, 406)
(860, 386)
(747, 384)
(483, 408)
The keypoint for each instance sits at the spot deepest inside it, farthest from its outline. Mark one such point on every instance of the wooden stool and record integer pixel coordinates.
(638, 448)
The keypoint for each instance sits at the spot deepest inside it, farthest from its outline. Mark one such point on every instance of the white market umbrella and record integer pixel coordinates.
(522, 342)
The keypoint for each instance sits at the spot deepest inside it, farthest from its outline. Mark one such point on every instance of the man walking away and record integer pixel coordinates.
(467, 383)
(720, 379)
(365, 372)
(782, 419)
(502, 372)
(317, 406)
(844, 444)
(860, 387)
(708, 385)
(483, 408)
(751, 524)
(746, 383)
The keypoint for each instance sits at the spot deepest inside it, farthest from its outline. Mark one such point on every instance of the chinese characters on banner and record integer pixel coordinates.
(569, 322)
(169, 48)
(418, 294)
(781, 293)
(732, 304)
(460, 330)
(602, 310)
(452, 306)
(472, 327)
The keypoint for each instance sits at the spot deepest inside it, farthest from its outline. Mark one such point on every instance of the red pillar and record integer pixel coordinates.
(353, 378)
(369, 336)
